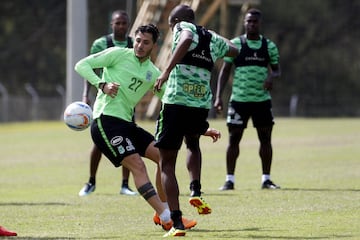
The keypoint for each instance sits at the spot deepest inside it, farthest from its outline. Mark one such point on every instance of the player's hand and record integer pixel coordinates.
(111, 89)
(213, 133)
(160, 81)
(268, 84)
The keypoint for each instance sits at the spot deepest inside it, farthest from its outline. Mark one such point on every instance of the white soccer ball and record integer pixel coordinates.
(78, 116)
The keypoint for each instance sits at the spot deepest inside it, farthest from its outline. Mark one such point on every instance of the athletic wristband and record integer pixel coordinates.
(101, 86)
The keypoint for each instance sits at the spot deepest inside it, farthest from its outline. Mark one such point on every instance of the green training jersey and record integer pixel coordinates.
(190, 85)
(248, 81)
(100, 44)
(120, 66)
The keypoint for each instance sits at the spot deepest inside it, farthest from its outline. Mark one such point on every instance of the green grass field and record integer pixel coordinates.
(43, 165)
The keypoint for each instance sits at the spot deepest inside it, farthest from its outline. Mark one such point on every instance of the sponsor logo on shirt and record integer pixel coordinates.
(116, 140)
(148, 76)
(202, 56)
(254, 58)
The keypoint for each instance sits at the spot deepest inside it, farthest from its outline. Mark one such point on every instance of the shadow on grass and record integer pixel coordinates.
(320, 190)
(299, 237)
(37, 238)
(34, 204)
(235, 192)
(237, 234)
(221, 193)
(114, 237)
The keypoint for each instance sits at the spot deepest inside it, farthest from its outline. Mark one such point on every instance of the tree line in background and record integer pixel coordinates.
(317, 40)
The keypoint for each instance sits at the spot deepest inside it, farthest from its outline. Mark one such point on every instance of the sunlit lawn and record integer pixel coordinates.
(316, 161)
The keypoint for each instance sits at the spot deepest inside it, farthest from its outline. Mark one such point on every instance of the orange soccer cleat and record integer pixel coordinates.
(188, 223)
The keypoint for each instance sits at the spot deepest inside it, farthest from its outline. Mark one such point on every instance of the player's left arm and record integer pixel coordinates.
(274, 72)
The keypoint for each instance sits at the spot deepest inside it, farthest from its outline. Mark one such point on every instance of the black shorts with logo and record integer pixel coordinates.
(117, 138)
(177, 121)
(240, 112)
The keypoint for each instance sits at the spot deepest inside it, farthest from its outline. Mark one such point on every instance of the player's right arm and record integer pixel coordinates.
(85, 67)
(213, 133)
(182, 47)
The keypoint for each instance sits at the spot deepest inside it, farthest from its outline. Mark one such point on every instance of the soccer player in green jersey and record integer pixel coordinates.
(256, 66)
(119, 25)
(186, 103)
(127, 76)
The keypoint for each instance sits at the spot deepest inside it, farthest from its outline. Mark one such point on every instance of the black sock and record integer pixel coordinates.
(195, 187)
(125, 183)
(176, 217)
(92, 180)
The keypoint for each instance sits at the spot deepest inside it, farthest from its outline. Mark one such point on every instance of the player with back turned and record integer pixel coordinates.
(186, 103)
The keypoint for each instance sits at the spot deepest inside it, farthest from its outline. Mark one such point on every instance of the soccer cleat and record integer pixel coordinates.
(175, 233)
(7, 233)
(202, 206)
(87, 189)
(166, 226)
(127, 191)
(268, 184)
(229, 185)
(188, 223)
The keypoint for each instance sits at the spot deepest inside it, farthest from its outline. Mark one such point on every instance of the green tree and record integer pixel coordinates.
(33, 43)
(318, 43)
(319, 54)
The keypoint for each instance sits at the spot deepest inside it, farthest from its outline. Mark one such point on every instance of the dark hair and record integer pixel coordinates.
(182, 13)
(149, 28)
(254, 11)
(120, 13)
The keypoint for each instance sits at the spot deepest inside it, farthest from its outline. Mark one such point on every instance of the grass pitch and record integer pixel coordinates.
(43, 165)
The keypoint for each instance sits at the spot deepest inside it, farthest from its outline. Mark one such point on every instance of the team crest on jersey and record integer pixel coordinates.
(148, 76)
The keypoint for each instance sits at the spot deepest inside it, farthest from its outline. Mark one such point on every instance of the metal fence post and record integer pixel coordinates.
(34, 101)
(5, 103)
